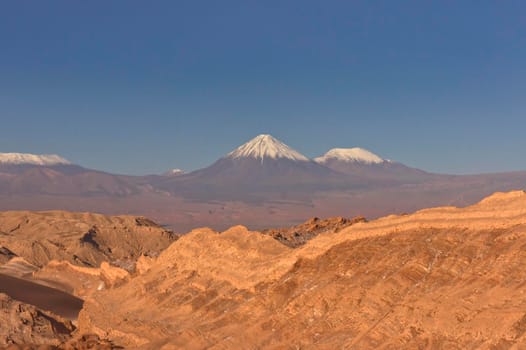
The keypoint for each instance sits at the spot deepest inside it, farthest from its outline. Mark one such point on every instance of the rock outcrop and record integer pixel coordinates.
(300, 234)
(5, 255)
(25, 324)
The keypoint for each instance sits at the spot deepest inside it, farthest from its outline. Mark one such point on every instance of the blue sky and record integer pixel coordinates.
(139, 87)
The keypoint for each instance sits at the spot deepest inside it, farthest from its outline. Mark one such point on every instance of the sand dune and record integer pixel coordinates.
(46, 298)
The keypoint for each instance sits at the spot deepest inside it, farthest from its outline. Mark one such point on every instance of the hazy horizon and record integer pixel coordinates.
(226, 154)
(134, 89)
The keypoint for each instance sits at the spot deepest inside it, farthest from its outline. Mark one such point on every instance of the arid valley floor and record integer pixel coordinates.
(439, 278)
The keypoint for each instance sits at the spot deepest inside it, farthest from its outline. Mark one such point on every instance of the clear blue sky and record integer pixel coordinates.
(142, 86)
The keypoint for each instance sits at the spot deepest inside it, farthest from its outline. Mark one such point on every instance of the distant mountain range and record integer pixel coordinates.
(265, 165)
(261, 178)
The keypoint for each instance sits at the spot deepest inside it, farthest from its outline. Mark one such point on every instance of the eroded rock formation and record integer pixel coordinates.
(83, 239)
(300, 234)
(25, 324)
(438, 278)
(444, 277)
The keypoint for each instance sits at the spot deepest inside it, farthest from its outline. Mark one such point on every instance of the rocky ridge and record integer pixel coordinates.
(444, 277)
(300, 234)
(76, 253)
(439, 278)
(83, 239)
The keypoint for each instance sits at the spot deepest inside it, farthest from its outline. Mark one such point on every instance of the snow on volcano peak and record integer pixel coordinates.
(266, 146)
(174, 172)
(356, 154)
(34, 159)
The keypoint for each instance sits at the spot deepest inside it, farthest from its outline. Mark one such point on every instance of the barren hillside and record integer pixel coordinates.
(84, 239)
(438, 278)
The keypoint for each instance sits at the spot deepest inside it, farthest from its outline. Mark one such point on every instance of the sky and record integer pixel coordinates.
(138, 87)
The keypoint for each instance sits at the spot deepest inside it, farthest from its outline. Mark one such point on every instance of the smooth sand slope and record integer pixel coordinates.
(56, 301)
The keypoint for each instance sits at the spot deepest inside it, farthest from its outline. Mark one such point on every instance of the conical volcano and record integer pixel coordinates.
(263, 164)
(266, 147)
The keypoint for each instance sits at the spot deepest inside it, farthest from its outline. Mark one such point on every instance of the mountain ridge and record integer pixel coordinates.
(34, 159)
(260, 179)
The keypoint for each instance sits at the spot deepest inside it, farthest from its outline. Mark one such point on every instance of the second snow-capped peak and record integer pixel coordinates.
(351, 155)
(266, 146)
(174, 172)
(33, 159)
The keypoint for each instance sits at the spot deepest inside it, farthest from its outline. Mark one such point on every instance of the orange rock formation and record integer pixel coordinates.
(438, 278)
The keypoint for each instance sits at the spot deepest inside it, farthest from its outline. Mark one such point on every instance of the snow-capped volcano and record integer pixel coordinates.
(33, 159)
(50, 174)
(351, 155)
(361, 162)
(262, 164)
(266, 146)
